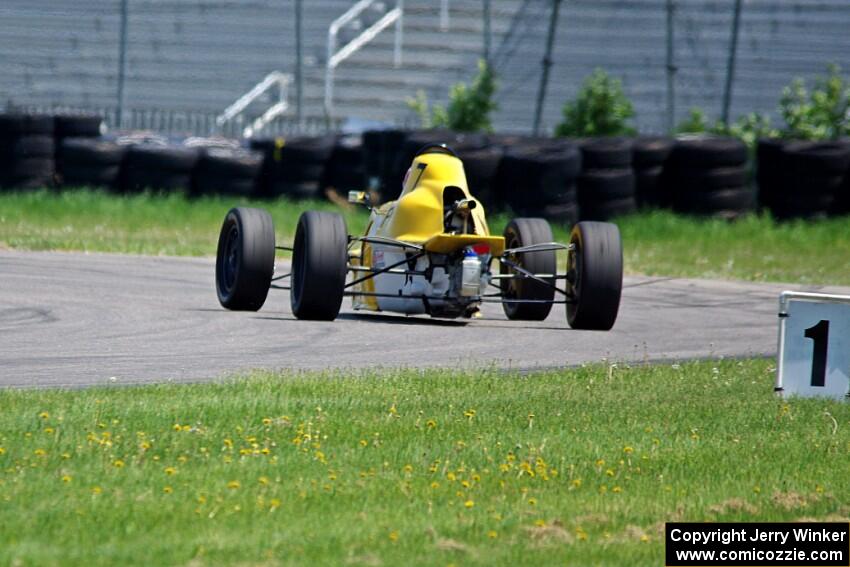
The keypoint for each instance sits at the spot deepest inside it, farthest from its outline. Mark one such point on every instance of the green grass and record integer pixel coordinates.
(411, 467)
(656, 243)
(171, 225)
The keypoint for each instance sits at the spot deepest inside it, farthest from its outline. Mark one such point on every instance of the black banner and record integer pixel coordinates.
(757, 544)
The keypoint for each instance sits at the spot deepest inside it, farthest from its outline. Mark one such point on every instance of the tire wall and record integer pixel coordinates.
(562, 180)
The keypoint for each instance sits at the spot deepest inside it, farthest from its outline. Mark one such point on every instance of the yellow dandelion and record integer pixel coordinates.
(39, 452)
(44, 415)
(201, 499)
(600, 462)
(616, 489)
(363, 442)
(228, 443)
(465, 484)
(532, 501)
(450, 476)
(263, 480)
(170, 470)
(819, 489)
(431, 424)
(182, 458)
(66, 478)
(628, 450)
(48, 430)
(2, 450)
(267, 421)
(96, 490)
(393, 535)
(408, 468)
(470, 413)
(540, 523)
(176, 427)
(168, 490)
(582, 535)
(469, 503)
(118, 463)
(435, 485)
(187, 428)
(144, 445)
(275, 503)
(644, 538)
(492, 534)
(233, 484)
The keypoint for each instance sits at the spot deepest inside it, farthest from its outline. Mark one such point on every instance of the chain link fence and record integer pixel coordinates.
(175, 66)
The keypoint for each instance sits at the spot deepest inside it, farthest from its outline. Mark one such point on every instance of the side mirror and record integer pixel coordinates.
(359, 198)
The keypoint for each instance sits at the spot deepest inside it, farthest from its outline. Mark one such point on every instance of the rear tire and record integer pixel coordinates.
(245, 259)
(595, 273)
(525, 232)
(319, 266)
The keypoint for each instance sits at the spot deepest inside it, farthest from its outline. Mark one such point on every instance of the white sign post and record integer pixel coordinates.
(814, 345)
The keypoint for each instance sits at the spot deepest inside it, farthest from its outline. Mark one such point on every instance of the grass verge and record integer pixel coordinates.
(411, 467)
(656, 243)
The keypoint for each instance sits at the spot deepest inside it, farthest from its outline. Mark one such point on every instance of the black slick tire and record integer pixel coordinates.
(595, 274)
(245, 259)
(525, 232)
(319, 266)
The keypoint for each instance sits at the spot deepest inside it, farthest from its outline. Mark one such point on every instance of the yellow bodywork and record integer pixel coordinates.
(417, 215)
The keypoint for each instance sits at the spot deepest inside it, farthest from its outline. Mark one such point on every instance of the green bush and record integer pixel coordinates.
(822, 114)
(748, 128)
(695, 123)
(469, 106)
(600, 109)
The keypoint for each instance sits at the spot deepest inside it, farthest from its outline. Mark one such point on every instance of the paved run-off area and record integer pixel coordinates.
(76, 319)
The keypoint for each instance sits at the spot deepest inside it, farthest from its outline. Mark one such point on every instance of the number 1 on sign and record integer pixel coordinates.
(820, 336)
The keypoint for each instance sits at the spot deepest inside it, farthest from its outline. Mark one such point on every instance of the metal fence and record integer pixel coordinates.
(175, 65)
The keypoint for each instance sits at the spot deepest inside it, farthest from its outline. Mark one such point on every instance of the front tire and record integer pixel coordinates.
(319, 265)
(245, 259)
(595, 273)
(525, 232)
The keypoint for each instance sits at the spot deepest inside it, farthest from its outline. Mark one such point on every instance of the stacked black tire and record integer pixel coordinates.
(155, 167)
(90, 162)
(27, 151)
(345, 170)
(538, 178)
(606, 187)
(228, 171)
(803, 179)
(649, 154)
(381, 155)
(295, 167)
(77, 130)
(708, 176)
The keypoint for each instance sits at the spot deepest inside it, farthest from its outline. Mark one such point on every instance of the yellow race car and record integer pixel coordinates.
(428, 252)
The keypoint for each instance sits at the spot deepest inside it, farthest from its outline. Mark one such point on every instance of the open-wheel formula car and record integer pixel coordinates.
(428, 252)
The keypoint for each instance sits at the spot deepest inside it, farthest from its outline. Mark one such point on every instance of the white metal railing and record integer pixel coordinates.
(235, 110)
(444, 15)
(337, 56)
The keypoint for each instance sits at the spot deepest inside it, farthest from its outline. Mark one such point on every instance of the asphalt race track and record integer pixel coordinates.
(77, 319)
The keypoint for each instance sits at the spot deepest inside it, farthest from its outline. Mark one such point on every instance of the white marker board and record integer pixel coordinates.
(814, 345)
